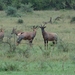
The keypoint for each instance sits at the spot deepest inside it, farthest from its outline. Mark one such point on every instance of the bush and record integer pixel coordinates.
(20, 21)
(63, 46)
(11, 11)
(1, 6)
(7, 66)
(72, 57)
(72, 20)
(26, 7)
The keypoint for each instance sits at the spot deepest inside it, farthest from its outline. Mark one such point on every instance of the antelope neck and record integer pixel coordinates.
(16, 32)
(43, 32)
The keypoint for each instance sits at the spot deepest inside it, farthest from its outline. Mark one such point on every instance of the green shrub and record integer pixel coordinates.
(72, 20)
(11, 11)
(20, 21)
(72, 57)
(26, 7)
(7, 66)
(63, 46)
(1, 6)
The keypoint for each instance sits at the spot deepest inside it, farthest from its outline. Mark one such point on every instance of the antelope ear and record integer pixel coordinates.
(33, 26)
(44, 26)
(37, 26)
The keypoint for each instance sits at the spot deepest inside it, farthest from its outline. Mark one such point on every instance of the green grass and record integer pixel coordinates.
(43, 67)
(48, 68)
(35, 60)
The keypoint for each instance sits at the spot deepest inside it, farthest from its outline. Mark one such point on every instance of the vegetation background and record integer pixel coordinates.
(39, 4)
(35, 60)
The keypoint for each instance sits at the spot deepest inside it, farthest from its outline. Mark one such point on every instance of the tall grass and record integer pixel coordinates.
(56, 60)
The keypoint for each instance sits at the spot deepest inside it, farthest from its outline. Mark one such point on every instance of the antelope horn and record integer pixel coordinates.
(37, 26)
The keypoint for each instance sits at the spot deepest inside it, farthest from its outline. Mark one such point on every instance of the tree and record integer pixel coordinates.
(40, 4)
(16, 3)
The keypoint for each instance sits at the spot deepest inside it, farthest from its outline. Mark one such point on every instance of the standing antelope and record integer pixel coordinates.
(48, 36)
(27, 36)
(15, 31)
(50, 21)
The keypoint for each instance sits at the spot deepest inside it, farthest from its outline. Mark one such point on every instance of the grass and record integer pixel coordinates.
(35, 60)
(57, 69)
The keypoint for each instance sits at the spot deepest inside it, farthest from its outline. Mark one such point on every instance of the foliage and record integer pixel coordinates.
(11, 11)
(20, 21)
(16, 3)
(6, 66)
(72, 20)
(72, 58)
(63, 46)
(36, 60)
(1, 6)
(26, 7)
(40, 4)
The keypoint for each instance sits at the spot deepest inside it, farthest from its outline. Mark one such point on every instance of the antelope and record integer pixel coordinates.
(27, 36)
(48, 36)
(50, 21)
(1, 34)
(16, 32)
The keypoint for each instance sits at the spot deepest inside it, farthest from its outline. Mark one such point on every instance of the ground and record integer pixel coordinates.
(26, 60)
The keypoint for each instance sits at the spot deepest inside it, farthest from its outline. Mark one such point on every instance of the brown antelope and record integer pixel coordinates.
(50, 21)
(1, 34)
(48, 36)
(17, 32)
(27, 36)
